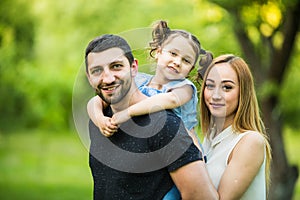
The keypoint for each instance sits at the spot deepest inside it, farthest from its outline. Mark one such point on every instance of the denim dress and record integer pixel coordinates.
(187, 112)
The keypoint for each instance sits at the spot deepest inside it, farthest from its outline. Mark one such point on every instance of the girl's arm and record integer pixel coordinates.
(243, 165)
(173, 99)
(95, 111)
(170, 100)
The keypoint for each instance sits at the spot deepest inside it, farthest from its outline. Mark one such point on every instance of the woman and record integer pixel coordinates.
(235, 144)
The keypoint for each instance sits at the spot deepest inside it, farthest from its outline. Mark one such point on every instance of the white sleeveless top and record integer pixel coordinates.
(217, 151)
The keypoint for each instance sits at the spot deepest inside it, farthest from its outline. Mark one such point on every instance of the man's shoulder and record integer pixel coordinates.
(159, 118)
(142, 79)
(167, 119)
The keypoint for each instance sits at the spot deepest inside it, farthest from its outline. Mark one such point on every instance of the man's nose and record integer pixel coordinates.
(107, 76)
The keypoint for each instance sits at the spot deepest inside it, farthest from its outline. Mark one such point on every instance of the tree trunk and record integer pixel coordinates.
(283, 176)
(269, 65)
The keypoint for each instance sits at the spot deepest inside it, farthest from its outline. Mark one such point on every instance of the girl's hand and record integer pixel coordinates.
(121, 117)
(107, 127)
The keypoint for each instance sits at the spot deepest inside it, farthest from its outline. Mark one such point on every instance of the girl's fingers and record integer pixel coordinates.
(112, 128)
(109, 132)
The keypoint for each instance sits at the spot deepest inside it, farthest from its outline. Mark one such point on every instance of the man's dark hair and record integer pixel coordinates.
(108, 41)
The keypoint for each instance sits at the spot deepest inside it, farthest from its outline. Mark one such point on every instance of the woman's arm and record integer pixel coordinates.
(162, 101)
(244, 163)
(95, 111)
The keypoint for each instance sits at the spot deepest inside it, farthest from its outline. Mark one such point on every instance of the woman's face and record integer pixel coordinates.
(221, 92)
(175, 59)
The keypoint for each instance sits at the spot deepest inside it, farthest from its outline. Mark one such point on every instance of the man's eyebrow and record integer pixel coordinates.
(116, 61)
(95, 66)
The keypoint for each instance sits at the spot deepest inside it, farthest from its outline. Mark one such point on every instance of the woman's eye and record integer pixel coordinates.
(227, 87)
(209, 86)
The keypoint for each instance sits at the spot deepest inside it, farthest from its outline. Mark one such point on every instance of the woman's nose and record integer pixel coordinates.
(216, 94)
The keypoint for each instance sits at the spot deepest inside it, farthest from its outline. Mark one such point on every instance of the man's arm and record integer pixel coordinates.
(193, 182)
(182, 158)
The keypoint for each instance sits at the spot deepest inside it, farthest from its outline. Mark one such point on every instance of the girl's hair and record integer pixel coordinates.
(162, 34)
(247, 116)
(206, 58)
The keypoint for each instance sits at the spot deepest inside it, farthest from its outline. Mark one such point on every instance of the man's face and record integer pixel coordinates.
(109, 72)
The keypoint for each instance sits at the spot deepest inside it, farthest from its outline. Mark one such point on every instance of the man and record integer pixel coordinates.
(147, 154)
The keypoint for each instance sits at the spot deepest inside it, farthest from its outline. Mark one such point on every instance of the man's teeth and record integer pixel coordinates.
(110, 88)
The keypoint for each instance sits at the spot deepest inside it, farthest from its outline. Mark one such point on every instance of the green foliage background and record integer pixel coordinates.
(42, 45)
(42, 48)
(43, 42)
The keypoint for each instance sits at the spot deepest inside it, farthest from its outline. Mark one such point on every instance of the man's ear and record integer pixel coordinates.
(134, 68)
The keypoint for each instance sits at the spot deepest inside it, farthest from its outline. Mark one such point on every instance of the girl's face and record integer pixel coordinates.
(221, 92)
(175, 59)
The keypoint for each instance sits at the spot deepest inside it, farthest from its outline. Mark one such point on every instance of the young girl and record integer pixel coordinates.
(235, 143)
(176, 53)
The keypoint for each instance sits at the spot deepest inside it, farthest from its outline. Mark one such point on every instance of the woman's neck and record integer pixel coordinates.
(221, 124)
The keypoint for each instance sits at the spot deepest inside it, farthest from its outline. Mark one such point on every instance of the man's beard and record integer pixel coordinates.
(106, 100)
(115, 97)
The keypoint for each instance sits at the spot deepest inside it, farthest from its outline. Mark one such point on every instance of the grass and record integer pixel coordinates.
(54, 165)
(43, 165)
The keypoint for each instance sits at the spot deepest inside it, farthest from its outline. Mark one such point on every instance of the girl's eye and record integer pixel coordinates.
(187, 61)
(173, 53)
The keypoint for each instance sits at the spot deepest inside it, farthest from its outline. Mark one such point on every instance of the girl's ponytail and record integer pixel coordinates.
(160, 33)
(206, 58)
